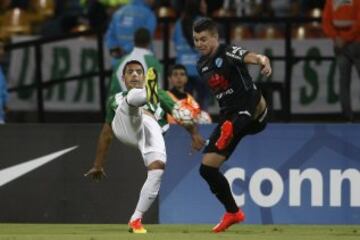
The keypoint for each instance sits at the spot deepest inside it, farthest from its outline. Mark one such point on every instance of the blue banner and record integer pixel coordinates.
(287, 174)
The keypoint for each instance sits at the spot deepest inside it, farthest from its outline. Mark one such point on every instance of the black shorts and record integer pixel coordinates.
(243, 125)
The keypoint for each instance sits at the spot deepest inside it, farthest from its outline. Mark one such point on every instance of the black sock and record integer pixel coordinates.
(219, 186)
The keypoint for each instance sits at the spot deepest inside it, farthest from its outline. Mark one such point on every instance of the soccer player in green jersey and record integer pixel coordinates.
(138, 117)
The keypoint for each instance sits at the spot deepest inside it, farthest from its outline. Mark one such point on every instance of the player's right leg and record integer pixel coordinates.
(152, 148)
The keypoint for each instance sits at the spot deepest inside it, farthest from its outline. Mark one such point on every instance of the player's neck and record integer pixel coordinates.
(180, 89)
(214, 50)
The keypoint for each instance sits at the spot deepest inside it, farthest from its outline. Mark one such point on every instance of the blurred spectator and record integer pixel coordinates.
(239, 33)
(178, 5)
(3, 90)
(178, 79)
(308, 5)
(4, 5)
(265, 8)
(125, 21)
(213, 6)
(184, 46)
(68, 7)
(15, 21)
(96, 14)
(341, 22)
(23, 4)
(241, 7)
(280, 8)
(110, 3)
(141, 52)
(68, 15)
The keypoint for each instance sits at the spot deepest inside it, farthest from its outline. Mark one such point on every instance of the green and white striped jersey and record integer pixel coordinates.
(117, 86)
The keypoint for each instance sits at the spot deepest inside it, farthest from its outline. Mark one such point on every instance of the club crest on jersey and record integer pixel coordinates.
(219, 62)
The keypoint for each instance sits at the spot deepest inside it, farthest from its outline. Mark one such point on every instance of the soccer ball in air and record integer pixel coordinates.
(186, 116)
(183, 114)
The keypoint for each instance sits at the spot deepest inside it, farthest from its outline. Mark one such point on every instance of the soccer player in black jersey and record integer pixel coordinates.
(242, 108)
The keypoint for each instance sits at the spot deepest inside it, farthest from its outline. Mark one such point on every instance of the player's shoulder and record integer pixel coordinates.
(235, 51)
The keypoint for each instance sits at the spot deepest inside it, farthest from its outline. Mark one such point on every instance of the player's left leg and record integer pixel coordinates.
(220, 187)
(152, 147)
(222, 143)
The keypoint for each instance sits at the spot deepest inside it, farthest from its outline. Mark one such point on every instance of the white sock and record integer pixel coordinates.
(136, 97)
(148, 193)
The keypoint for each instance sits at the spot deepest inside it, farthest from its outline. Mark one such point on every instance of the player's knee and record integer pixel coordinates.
(136, 97)
(156, 165)
(208, 173)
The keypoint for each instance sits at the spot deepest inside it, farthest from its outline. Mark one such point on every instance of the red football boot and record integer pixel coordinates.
(136, 226)
(228, 220)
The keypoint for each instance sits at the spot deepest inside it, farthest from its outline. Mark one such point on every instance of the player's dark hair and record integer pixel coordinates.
(142, 37)
(132, 62)
(205, 24)
(177, 67)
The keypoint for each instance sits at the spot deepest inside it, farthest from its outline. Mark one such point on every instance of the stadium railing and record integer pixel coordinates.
(284, 87)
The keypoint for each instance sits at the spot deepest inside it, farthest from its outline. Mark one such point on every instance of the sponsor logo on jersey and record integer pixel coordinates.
(235, 49)
(233, 55)
(238, 50)
(219, 62)
(218, 82)
(204, 69)
(222, 94)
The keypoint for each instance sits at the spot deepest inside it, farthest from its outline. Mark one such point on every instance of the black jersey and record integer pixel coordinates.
(229, 79)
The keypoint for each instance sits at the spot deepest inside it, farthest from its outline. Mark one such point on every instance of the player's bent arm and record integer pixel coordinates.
(261, 60)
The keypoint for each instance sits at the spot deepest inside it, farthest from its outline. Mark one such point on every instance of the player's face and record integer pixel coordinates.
(206, 42)
(178, 78)
(134, 76)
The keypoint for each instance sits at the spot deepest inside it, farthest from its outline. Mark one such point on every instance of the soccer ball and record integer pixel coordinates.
(183, 114)
(186, 116)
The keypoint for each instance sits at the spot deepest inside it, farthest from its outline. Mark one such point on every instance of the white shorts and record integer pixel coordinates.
(131, 126)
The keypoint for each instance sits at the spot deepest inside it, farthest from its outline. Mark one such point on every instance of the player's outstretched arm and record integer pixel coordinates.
(261, 60)
(106, 135)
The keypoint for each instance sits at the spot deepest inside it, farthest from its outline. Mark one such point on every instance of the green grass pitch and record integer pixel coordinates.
(176, 232)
